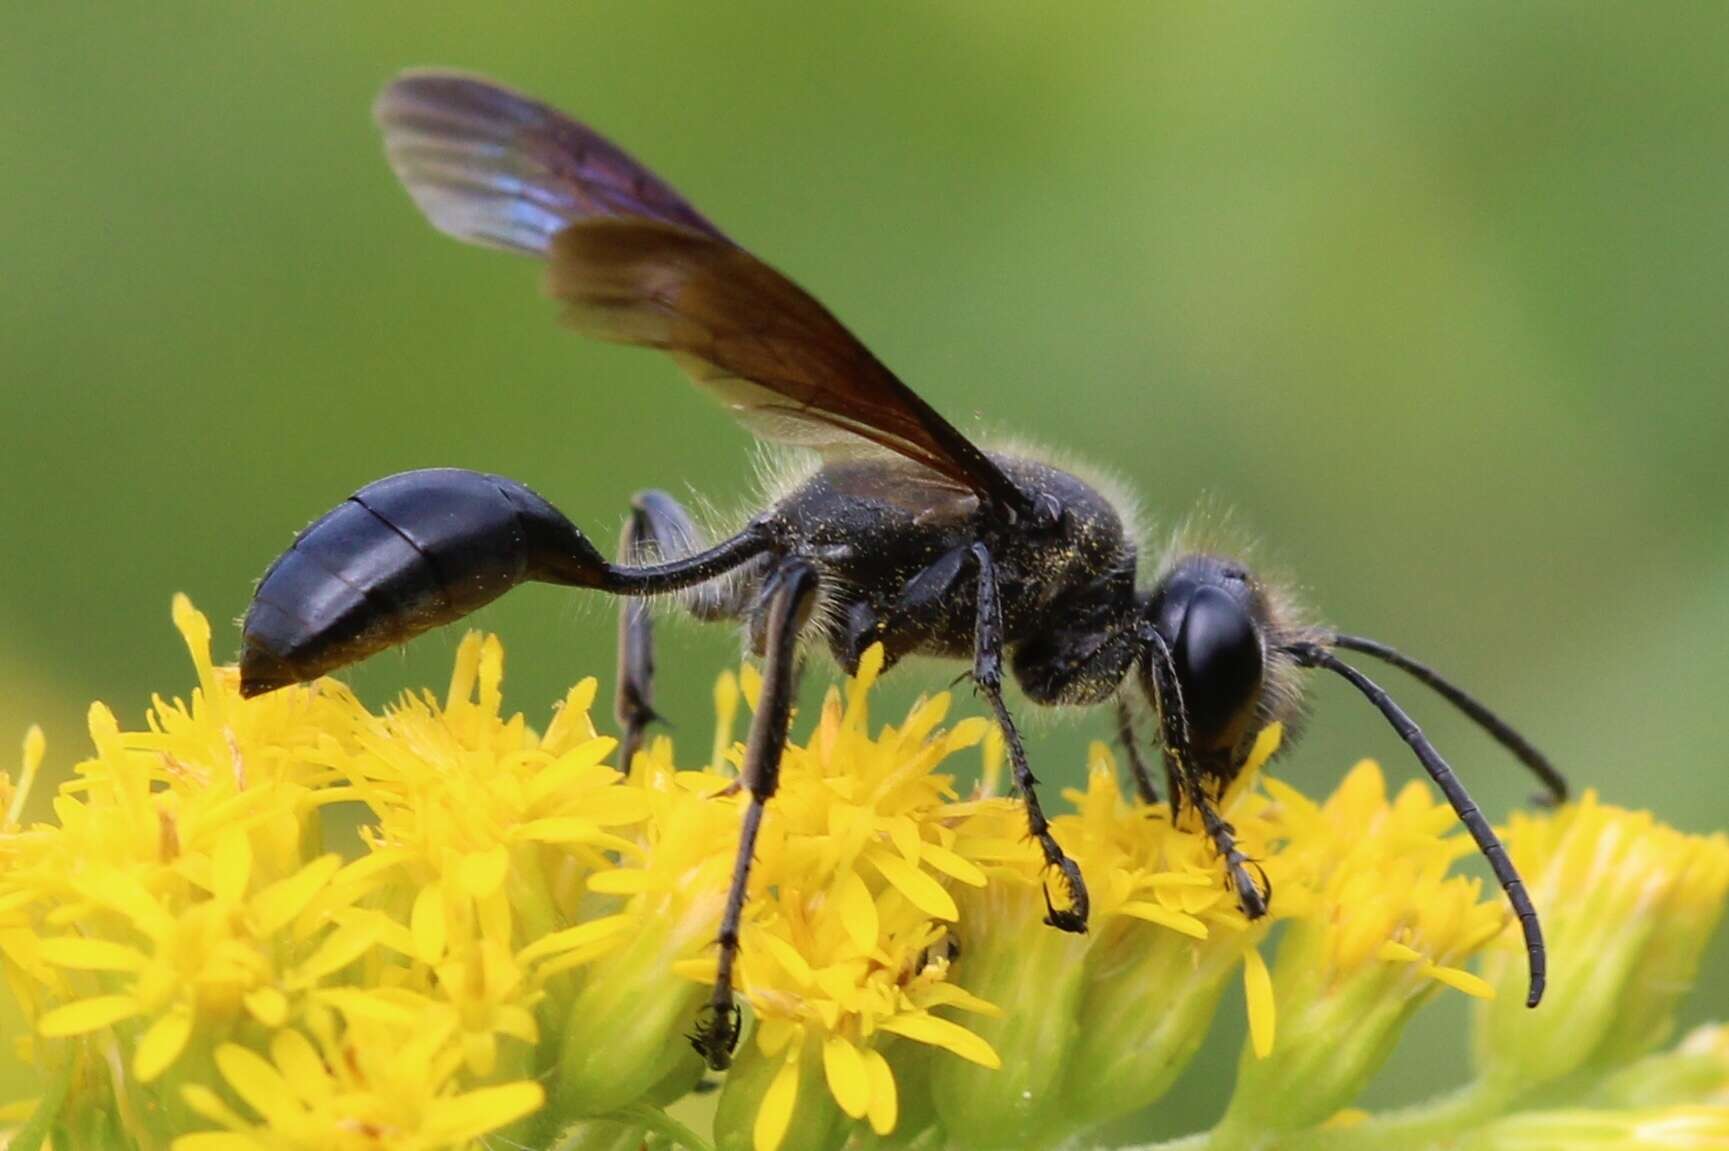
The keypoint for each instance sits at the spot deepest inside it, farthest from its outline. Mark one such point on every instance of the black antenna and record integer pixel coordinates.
(1313, 655)
(1498, 729)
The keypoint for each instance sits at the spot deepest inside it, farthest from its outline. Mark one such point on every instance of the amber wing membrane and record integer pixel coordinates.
(634, 263)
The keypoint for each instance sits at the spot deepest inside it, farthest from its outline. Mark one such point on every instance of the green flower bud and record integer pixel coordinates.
(1147, 1004)
(1386, 929)
(625, 1030)
(1695, 1071)
(1035, 974)
(1628, 907)
(779, 1101)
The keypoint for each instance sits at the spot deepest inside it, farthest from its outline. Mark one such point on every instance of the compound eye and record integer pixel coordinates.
(1221, 665)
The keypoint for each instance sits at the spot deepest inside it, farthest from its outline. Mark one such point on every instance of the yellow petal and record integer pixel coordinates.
(953, 866)
(581, 936)
(231, 865)
(941, 1033)
(1258, 990)
(950, 995)
(848, 1081)
(1178, 921)
(267, 1005)
(358, 1004)
(125, 894)
(483, 872)
(924, 892)
(858, 911)
(885, 1101)
(613, 806)
(725, 712)
(1472, 985)
(87, 1015)
(968, 732)
(162, 1044)
(340, 948)
(750, 683)
(480, 1053)
(469, 1116)
(1266, 743)
(991, 751)
(516, 1022)
(787, 955)
(904, 833)
(774, 1114)
(426, 921)
(205, 1103)
(257, 1083)
(214, 1141)
(568, 829)
(90, 954)
(35, 747)
(276, 906)
(301, 1065)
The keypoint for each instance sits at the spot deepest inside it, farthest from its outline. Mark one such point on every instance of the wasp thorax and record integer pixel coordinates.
(1207, 610)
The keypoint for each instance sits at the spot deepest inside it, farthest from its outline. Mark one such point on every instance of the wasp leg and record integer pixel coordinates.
(1186, 782)
(790, 593)
(659, 530)
(1251, 898)
(1131, 750)
(988, 677)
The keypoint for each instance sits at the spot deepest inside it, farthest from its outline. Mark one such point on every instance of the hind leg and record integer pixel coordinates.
(659, 530)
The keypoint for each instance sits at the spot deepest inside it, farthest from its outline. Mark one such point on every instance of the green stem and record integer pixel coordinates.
(1414, 1127)
(660, 1123)
(31, 1136)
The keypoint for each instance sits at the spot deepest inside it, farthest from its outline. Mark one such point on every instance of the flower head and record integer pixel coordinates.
(1115, 1014)
(513, 944)
(1628, 905)
(845, 952)
(1381, 925)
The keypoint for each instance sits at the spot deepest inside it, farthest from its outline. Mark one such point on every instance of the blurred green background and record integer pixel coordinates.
(1431, 296)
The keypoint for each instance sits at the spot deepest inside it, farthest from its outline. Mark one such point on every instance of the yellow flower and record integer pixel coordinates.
(178, 887)
(844, 950)
(614, 977)
(511, 947)
(1379, 925)
(362, 1086)
(1103, 1023)
(1628, 906)
(483, 831)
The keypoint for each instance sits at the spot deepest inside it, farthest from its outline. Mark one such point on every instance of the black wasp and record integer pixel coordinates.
(906, 534)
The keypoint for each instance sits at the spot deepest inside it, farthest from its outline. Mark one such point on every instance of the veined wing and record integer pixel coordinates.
(634, 263)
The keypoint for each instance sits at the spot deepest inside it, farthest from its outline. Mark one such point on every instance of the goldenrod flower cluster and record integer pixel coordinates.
(294, 922)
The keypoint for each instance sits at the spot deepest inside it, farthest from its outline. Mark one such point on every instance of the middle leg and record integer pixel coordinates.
(988, 644)
(1137, 763)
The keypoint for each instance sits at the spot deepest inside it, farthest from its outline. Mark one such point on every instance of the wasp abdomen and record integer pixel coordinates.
(399, 557)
